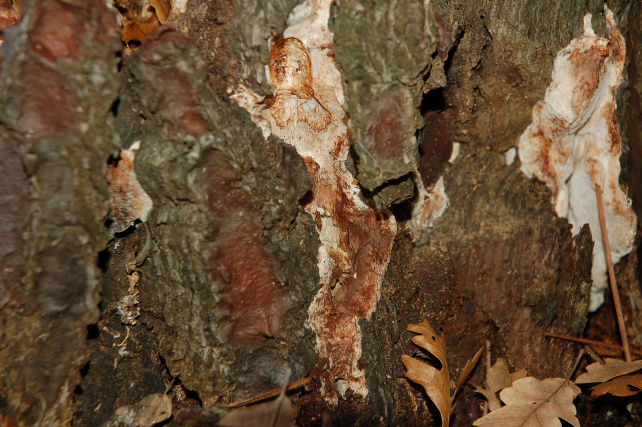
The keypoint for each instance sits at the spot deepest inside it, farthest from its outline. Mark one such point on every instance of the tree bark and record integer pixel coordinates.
(208, 299)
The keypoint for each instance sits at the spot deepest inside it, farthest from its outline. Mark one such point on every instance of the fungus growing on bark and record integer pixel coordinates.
(355, 240)
(573, 143)
(510, 156)
(430, 206)
(128, 200)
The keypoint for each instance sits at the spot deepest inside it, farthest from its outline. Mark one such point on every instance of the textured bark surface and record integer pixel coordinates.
(226, 278)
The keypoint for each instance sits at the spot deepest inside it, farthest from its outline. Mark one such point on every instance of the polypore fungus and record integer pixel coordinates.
(573, 144)
(355, 240)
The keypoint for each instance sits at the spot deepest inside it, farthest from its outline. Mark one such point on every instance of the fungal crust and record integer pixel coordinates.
(573, 144)
(128, 200)
(355, 241)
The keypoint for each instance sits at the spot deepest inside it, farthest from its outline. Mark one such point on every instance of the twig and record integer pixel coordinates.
(609, 263)
(488, 361)
(171, 384)
(281, 396)
(577, 362)
(468, 369)
(488, 367)
(593, 354)
(126, 337)
(590, 342)
(140, 258)
(271, 393)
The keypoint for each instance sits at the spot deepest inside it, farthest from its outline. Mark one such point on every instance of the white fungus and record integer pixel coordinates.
(455, 152)
(510, 156)
(573, 144)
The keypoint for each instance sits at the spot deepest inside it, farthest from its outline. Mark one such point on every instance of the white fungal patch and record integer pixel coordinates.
(455, 153)
(429, 207)
(510, 156)
(573, 144)
(355, 241)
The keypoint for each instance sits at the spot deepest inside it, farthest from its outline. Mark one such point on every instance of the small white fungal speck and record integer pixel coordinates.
(455, 152)
(510, 155)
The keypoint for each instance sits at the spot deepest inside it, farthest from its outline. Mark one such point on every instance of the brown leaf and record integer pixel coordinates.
(518, 375)
(627, 385)
(465, 373)
(530, 402)
(162, 9)
(598, 373)
(138, 30)
(491, 397)
(152, 409)
(498, 378)
(434, 381)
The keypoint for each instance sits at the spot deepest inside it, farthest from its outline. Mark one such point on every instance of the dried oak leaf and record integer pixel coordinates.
(534, 403)
(162, 9)
(434, 381)
(518, 375)
(627, 385)
(498, 378)
(598, 373)
(138, 30)
(465, 373)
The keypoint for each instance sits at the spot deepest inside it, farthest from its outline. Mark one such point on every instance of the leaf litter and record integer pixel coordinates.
(434, 380)
(599, 373)
(627, 385)
(531, 402)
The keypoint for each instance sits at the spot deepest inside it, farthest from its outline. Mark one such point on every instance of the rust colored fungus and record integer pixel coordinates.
(356, 241)
(178, 102)
(573, 144)
(128, 200)
(253, 302)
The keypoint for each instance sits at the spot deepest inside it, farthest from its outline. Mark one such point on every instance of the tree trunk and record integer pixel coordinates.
(207, 298)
